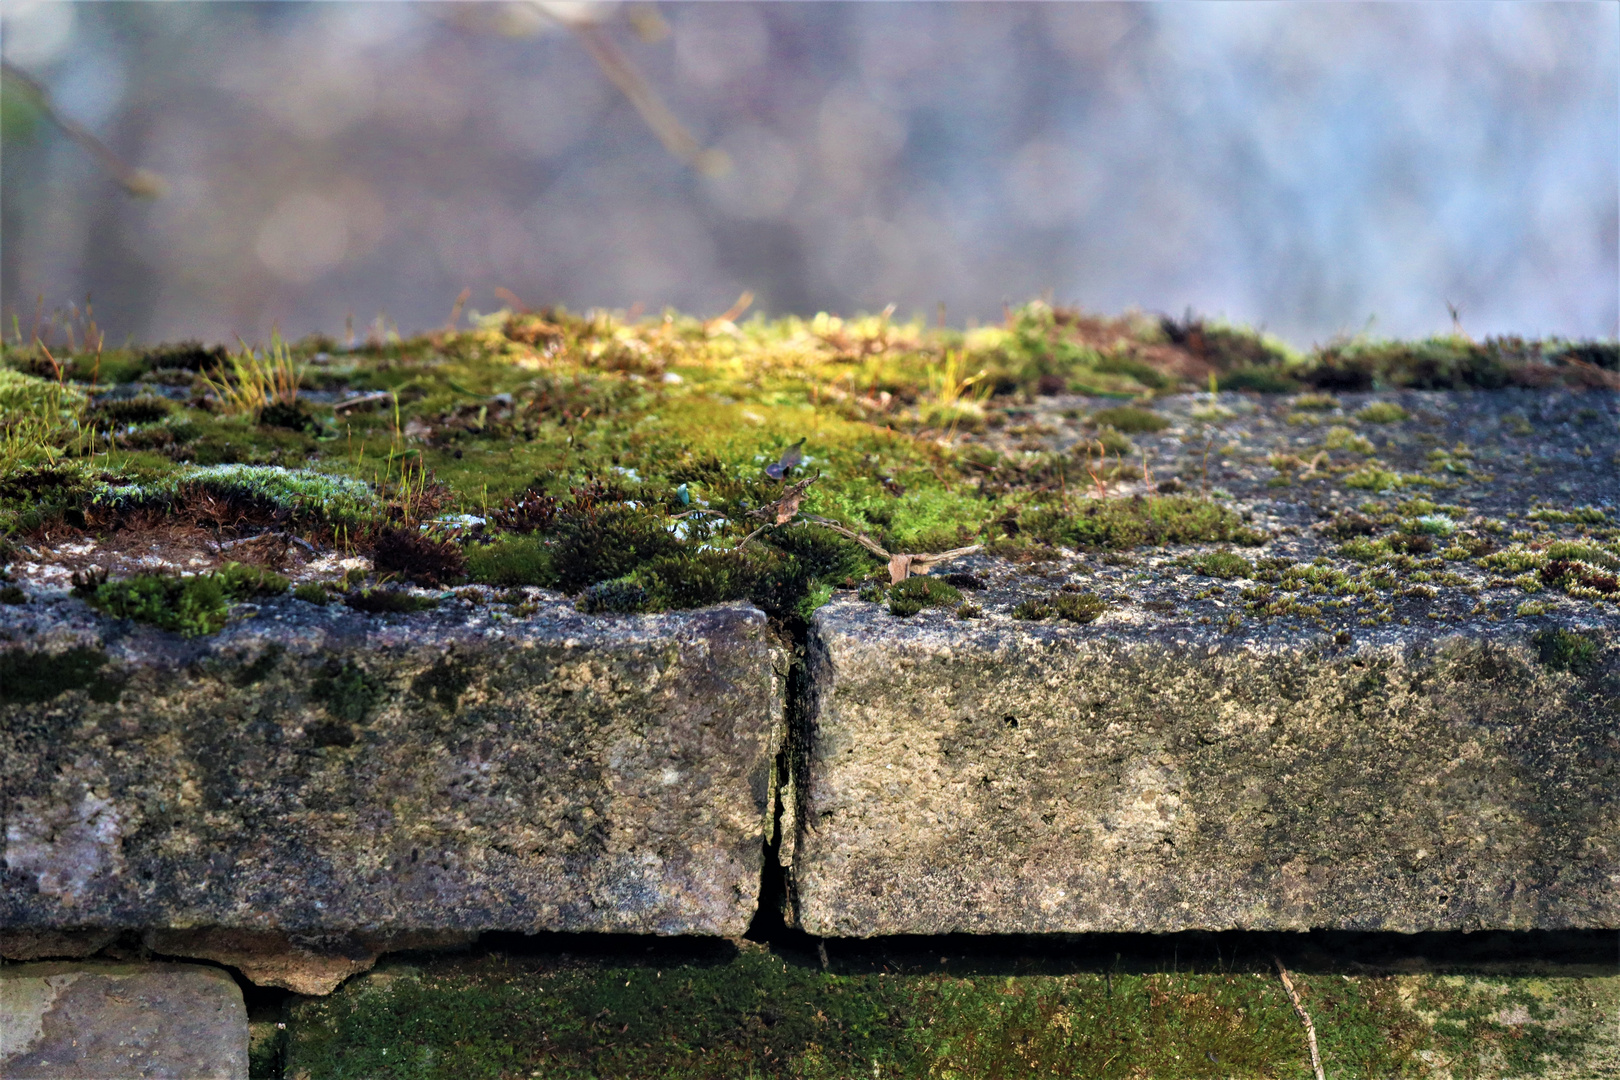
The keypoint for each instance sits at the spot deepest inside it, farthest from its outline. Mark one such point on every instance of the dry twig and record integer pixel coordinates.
(1304, 1017)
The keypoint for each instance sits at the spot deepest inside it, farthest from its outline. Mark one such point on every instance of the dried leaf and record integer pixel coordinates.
(783, 509)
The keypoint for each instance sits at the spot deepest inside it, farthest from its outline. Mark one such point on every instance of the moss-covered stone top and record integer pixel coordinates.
(1171, 469)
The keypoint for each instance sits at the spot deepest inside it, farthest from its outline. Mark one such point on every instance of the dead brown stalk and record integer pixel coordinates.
(1304, 1017)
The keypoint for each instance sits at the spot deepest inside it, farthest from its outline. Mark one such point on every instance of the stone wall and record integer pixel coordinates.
(313, 787)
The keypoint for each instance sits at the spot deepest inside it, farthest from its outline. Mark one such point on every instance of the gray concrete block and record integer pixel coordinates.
(997, 776)
(87, 1021)
(313, 771)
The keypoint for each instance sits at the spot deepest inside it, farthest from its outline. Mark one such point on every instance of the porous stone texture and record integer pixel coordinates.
(328, 775)
(88, 1021)
(992, 776)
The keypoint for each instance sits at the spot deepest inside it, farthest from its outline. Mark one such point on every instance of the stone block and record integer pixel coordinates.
(321, 774)
(996, 776)
(88, 1021)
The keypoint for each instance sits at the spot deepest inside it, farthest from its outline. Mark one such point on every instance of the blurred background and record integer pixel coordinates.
(1315, 168)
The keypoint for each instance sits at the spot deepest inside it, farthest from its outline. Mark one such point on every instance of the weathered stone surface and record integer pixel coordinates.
(312, 964)
(315, 771)
(86, 1021)
(996, 776)
(54, 944)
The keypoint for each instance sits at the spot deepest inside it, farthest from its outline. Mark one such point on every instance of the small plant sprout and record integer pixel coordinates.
(956, 396)
(251, 381)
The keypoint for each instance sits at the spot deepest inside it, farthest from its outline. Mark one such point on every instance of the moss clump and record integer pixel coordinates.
(1223, 564)
(788, 575)
(1032, 610)
(1565, 650)
(1382, 412)
(348, 691)
(511, 560)
(1079, 607)
(141, 409)
(313, 592)
(268, 492)
(381, 601)
(910, 596)
(417, 558)
(190, 606)
(1130, 419)
(1138, 521)
(1584, 515)
(1342, 438)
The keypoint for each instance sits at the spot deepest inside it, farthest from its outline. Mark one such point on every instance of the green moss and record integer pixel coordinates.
(1342, 438)
(27, 678)
(1316, 402)
(191, 606)
(1130, 419)
(1585, 515)
(512, 560)
(1080, 607)
(381, 601)
(1223, 564)
(1032, 610)
(757, 1014)
(299, 494)
(1566, 650)
(910, 596)
(348, 691)
(243, 582)
(1139, 521)
(1382, 412)
(313, 592)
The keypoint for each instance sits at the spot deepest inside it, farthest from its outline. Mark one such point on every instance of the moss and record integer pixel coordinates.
(512, 560)
(624, 448)
(1032, 610)
(1586, 515)
(380, 601)
(1080, 607)
(243, 582)
(349, 693)
(291, 415)
(1223, 564)
(1138, 521)
(1130, 419)
(1382, 412)
(190, 606)
(313, 592)
(417, 558)
(910, 596)
(278, 493)
(27, 678)
(758, 1014)
(141, 409)
(1342, 438)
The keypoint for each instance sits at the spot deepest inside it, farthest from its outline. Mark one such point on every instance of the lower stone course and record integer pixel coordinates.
(341, 781)
(1005, 777)
(89, 1021)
